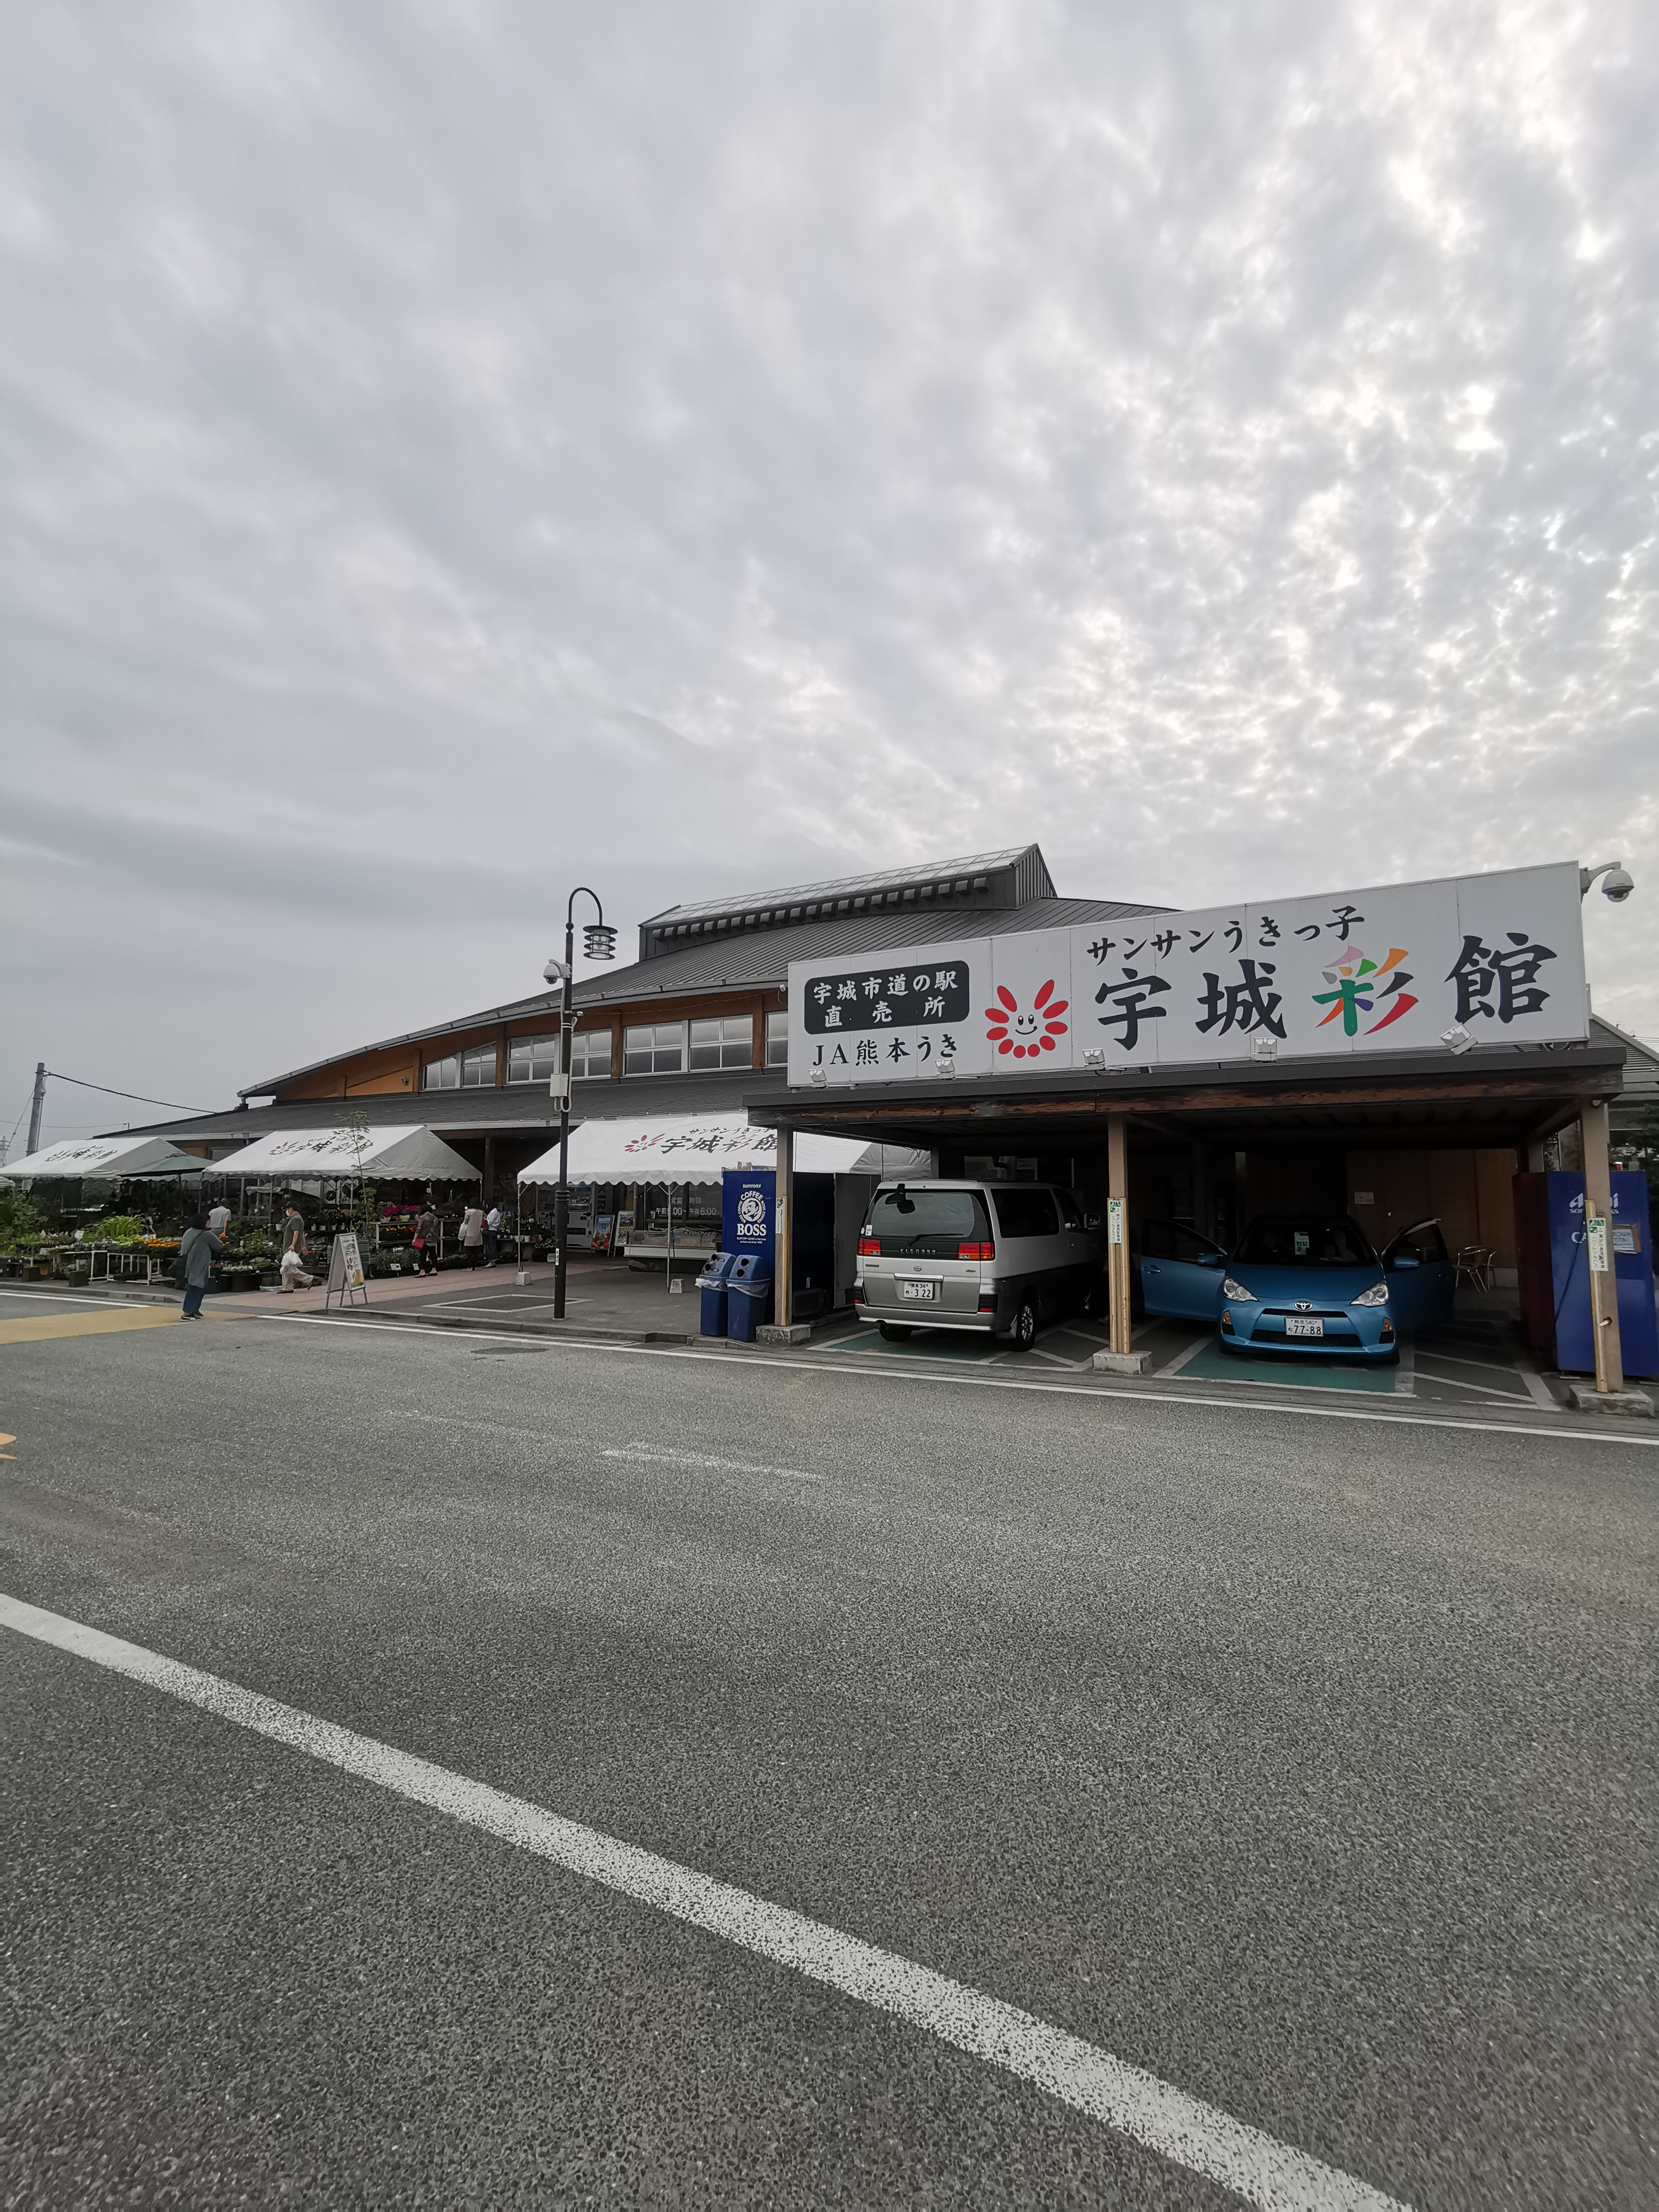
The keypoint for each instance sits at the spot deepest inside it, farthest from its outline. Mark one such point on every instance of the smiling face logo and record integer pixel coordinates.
(1023, 1032)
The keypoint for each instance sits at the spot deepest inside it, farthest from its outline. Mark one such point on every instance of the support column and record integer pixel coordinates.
(1119, 1359)
(1604, 1289)
(783, 1327)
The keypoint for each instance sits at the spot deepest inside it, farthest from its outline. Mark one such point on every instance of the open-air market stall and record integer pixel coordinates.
(104, 1159)
(331, 1168)
(670, 1172)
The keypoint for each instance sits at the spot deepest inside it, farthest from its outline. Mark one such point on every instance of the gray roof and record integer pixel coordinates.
(513, 1109)
(975, 864)
(755, 962)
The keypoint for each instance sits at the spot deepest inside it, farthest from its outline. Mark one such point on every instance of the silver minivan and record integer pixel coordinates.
(999, 1257)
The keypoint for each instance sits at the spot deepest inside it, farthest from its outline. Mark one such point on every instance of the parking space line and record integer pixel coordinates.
(1405, 1374)
(1462, 1359)
(1490, 1391)
(1182, 1357)
(1123, 2097)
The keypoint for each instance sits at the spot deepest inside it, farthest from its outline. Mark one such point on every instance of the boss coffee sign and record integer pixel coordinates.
(1495, 958)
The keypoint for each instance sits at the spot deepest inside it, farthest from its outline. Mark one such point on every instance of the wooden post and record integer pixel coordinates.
(1603, 1281)
(1117, 1229)
(783, 1207)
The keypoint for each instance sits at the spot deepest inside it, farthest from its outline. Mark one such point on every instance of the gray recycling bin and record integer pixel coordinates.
(712, 1282)
(750, 1296)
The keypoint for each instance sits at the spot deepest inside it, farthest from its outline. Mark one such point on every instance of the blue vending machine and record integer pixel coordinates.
(1632, 1262)
(748, 1196)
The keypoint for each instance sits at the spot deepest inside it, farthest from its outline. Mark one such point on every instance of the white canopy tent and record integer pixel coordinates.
(303, 1154)
(103, 1159)
(698, 1148)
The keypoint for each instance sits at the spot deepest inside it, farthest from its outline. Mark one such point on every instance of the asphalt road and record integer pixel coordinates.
(1306, 1765)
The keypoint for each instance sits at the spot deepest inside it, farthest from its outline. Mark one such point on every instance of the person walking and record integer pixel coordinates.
(472, 1234)
(492, 1235)
(426, 1240)
(197, 1249)
(291, 1255)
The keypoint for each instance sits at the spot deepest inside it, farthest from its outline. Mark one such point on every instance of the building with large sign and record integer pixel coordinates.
(1388, 1052)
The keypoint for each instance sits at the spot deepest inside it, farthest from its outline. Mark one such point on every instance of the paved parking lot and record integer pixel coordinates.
(1288, 1778)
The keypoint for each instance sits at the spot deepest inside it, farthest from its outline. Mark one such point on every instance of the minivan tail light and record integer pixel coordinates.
(869, 1247)
(976, 1251)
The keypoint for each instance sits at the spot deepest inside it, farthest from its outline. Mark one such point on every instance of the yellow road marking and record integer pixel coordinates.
(32, 1328)
(5, 1439)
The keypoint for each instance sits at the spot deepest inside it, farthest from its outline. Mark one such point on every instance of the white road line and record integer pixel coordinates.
(69, 1298)
(977, 1378)
(1462, 1359)
(1490, 1391)
(1123, 2097)
(703, 1460)
(1182, 1357)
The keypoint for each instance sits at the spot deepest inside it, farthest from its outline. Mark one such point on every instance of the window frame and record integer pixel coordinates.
(582, 1042)
(429, 1067)
(478, 1056)
(777, 1039)
(656, 1050)
(729, 1051)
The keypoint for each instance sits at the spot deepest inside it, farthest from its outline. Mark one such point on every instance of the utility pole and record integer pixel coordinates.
(35, 1107)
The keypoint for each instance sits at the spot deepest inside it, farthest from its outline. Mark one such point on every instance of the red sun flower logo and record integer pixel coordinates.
(1025, 1035)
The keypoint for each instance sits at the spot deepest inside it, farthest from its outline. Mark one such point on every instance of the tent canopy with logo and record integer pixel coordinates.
(103, 1159)
(698, 1148)
(410, 1151)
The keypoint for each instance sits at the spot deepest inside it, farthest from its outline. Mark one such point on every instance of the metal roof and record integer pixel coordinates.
(748, 962)
(975, 864)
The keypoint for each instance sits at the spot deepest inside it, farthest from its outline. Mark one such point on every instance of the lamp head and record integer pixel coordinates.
(599, 940)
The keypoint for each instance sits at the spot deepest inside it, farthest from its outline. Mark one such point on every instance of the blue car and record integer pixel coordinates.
(1301, 1283)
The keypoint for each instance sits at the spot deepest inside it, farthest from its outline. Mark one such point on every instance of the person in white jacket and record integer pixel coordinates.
(472, 1235)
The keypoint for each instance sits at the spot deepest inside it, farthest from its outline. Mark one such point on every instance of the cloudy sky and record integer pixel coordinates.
(453, 448)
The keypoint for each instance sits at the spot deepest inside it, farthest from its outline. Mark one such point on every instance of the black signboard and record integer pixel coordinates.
(913, 997)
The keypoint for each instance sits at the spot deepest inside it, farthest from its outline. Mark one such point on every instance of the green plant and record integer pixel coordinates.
(117, 1229)
(20, 1219)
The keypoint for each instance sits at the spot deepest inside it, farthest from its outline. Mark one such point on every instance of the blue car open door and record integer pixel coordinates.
(1420, 1276)
(1181, 1272)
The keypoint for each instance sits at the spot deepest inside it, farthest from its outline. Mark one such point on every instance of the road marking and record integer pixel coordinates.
(38, 1329)
(1462, 1359)
(1489, 1391)
(701, 1459)
(1182, 1357)
(67, 1298)
(977, 1378)
(7, 1440)
(1405, 1373)
(1123, 2097)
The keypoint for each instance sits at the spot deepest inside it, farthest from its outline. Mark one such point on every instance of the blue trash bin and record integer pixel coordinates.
(750, 1296)
(712, 1282)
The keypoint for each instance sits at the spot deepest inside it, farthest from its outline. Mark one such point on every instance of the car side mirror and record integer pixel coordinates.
(1209, 1260)
(1404, 1260)
(1091, 1221)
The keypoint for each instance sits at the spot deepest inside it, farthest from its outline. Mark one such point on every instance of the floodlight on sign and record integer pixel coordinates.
(1456, 1038)
(947, 1063)
(1094, 1056)
(599, 940)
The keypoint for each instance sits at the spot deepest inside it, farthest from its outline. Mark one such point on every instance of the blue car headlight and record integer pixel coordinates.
(1376, 1295)
(1236, 1291)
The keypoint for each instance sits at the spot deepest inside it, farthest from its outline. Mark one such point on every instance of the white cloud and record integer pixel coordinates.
(454, 449)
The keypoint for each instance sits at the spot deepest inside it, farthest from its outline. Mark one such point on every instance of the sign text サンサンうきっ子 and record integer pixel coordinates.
(1385, 970)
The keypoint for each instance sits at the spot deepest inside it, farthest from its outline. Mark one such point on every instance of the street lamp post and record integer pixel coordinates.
(599, 943)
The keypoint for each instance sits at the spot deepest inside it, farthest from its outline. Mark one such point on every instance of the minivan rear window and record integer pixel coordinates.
(1025, 1211)
(909, 1217)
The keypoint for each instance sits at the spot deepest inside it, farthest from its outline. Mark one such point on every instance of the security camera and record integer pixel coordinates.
(1618, 885)
(556, 974)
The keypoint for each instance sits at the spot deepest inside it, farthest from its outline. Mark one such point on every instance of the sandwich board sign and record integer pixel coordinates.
(346, 1278)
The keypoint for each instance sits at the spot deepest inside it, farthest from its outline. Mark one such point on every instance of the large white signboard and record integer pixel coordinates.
(1388, 969)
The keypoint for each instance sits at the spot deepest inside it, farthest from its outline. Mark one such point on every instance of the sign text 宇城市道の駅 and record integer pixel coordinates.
(1387, 969)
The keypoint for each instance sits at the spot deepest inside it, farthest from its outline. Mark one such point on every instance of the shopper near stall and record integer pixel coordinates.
(291, 1254)
(492, 1235)
(472, 1234)
(426, 1241)
(197, 1249)
(218, 1219)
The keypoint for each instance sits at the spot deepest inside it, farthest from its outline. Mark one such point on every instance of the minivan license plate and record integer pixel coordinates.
(915, 1290)
(1295, 1326)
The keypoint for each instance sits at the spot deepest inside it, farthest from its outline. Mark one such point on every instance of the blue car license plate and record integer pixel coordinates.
(1295, 1325)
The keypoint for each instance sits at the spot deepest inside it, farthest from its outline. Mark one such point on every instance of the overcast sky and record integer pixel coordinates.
(452, 450)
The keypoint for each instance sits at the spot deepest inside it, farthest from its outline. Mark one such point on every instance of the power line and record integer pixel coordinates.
(138, 1094)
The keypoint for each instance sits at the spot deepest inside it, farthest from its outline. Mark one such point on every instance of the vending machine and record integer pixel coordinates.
(1555, 1271)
